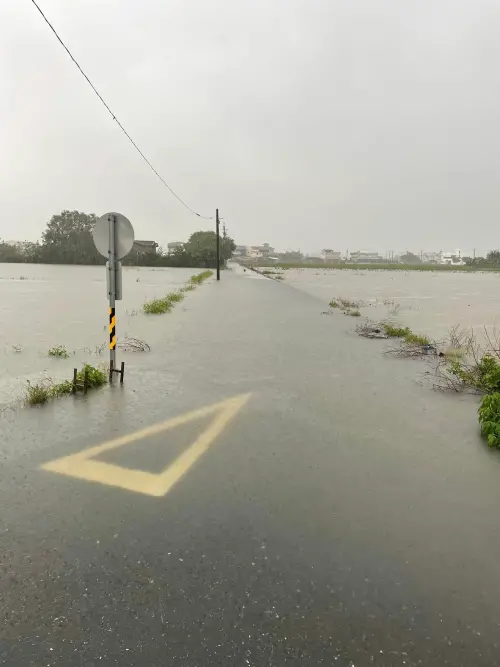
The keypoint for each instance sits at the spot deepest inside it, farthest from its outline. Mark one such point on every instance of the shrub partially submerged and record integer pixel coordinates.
(345, 304)
(46, 389)
(58, 351)
(489, 418)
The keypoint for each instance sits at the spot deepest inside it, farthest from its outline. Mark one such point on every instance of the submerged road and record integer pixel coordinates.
(266, 489)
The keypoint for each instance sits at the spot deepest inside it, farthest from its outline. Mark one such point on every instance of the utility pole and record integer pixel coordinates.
(217, 243)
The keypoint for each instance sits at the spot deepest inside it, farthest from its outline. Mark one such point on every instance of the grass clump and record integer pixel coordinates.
(41, 392)
(165, 305)
(345, 304)
(175, 297)
(58, 351)
(417, 339)
(199, 278)
(38, 393)
(354, 313)
(406, 334)
(157, 306)
(395, 331)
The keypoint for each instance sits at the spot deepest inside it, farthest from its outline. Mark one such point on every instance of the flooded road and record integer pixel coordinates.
(264, 489)
(429, 302)
(43, 306)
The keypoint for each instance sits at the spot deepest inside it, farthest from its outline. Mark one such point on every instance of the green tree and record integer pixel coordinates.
(10, 253)
(291, 256)
(493, 258)
(201, 246)
(67, 239)
(410, 258)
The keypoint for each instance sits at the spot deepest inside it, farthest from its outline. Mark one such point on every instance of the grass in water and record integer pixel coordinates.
(394, 331)
(344, 304)
(41, 392)
(199, 278)
(58, 351)
(165, 305)
(157, 306)
(175, 297)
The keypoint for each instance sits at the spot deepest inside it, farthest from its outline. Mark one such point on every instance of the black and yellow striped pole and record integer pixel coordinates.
(113, 238)
(112, 334)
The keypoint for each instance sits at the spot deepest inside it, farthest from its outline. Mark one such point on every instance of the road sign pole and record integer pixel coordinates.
(114, 238)
(217, 242)
(112, 294)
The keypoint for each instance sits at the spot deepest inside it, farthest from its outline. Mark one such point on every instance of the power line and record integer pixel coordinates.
(115, 118)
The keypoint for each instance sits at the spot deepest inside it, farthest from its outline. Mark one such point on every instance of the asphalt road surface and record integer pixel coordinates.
(265, 489)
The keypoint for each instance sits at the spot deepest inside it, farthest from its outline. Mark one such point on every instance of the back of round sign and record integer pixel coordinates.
(124, 235)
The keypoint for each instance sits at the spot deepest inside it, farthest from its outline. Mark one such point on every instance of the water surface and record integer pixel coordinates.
(426, 301)
(42, 306)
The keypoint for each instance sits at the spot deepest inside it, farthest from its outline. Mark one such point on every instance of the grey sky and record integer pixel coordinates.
(310, 123)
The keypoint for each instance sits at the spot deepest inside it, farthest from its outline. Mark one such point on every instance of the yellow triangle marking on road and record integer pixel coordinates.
(84, 466)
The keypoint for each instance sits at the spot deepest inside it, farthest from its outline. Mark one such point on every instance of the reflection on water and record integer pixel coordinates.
(42, 306)
(430, 302)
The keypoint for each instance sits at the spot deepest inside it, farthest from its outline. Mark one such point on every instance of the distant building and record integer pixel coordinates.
(260, 251)
(364, 257)
(240, 251)
(173, 246)
(144, 247)
(431, 258)
(454, 258)
(329, 255)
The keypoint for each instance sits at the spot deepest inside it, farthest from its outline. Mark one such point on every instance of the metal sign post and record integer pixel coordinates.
(217, 243)
(112, 294)
(113, 237)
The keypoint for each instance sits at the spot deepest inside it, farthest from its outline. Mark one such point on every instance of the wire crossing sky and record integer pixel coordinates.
(368, 124)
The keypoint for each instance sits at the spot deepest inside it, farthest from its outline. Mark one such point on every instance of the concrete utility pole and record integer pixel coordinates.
(217, 243)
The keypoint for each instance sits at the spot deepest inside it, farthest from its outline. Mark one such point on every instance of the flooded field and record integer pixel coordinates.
(426, 301)
(44, 306)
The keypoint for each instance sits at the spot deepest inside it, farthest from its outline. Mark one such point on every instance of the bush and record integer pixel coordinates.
(489, 418)
(483, 375)
(354, 313)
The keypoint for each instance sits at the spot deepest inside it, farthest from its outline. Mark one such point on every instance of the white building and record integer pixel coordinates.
(365, 257)
(454, 258)
(174, 245)
(329, 255)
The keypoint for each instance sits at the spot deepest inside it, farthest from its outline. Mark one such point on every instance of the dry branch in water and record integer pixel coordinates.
(370, 330)
(133, 345)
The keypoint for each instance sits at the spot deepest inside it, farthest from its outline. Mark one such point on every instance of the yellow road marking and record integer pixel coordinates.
(83, 465)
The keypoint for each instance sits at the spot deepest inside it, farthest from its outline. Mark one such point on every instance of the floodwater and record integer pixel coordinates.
(429, 302)
(42, 306)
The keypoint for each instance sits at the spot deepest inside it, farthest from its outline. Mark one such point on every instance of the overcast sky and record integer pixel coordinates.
(369, 124)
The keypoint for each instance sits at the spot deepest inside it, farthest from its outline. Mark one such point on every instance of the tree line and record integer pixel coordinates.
(67, 239)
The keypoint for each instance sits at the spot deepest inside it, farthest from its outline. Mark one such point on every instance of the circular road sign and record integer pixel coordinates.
(124, 235)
